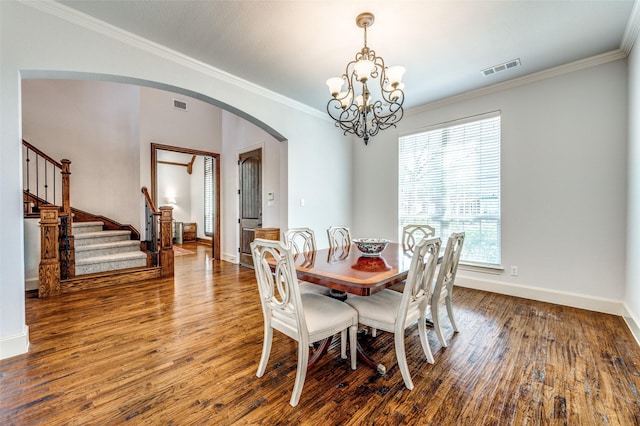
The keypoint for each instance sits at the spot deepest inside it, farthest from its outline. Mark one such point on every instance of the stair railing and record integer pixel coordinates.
(46, 183)
(158, 234)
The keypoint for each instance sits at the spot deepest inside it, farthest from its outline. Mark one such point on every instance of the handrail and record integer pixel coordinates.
(149, 200)
(41, 154)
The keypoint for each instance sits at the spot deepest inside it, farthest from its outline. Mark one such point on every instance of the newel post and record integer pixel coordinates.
(166, 241)
(49, 270)
(66, 208)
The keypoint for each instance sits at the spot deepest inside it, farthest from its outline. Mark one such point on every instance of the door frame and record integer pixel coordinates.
(154, 186)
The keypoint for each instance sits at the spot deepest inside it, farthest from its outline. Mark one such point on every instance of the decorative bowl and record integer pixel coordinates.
(370, 246)
(371, 264)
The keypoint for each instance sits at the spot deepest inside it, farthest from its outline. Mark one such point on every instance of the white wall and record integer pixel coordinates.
(63, 119)
(632, 289)
(174, 182)
(40, 37)
(564, 169)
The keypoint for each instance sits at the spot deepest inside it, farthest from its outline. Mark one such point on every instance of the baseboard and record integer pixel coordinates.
(15, 345)
(575, 300)
(31, 283)
(229, 258)
(632, 323)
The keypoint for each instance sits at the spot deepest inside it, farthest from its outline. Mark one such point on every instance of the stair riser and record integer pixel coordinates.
(85, 254)
(110, 266)
(77, 229)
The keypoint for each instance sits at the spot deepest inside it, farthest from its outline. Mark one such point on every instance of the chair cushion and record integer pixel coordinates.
(379, 308)
(323, 313)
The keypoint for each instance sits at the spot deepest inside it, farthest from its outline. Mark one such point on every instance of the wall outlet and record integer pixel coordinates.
(514, 271)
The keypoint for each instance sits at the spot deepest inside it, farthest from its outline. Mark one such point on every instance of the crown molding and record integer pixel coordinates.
(631, 31)
(604, 58)
(81, 19)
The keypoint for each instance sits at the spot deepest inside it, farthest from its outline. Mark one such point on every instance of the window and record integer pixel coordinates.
(209, 174)
(450, 179)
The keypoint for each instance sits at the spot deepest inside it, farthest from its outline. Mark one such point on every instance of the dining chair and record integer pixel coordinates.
(413, 233)
(305, 317)
(302, 242)
(443, 287)
(339, 238)
(394, 312)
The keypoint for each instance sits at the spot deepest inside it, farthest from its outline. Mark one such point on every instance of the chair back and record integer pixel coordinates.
(417, 287)
(301, 242)
(449, 264)
(278, 286)
(339, 241)
(412, 234)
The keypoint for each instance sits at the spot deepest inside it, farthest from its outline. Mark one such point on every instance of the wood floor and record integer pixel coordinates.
(186, 353)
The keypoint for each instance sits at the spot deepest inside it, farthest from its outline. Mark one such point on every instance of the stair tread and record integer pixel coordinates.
(112, 257)
(87, 235)
(124, 243)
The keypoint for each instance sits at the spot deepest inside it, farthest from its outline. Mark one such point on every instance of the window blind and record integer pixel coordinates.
(450, 179)
(208, 195)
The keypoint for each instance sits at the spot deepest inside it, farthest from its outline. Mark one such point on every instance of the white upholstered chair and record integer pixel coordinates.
(304, 317)
(302, 242)
(339, 238)
(443, 287)
(394, 312)
(412, 234)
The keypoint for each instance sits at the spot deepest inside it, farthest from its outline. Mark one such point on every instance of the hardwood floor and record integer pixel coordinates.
(187, 352)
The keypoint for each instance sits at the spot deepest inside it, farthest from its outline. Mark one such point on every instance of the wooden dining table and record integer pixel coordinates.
(347, 271)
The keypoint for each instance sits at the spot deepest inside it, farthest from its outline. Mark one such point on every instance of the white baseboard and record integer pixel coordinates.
(31, 283)
(229, 258)
(575, 300)
(632, 323)
(15, 345)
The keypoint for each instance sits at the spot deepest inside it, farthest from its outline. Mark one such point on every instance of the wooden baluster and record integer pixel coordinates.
(66, 208)
(166, 241)
(49, 271)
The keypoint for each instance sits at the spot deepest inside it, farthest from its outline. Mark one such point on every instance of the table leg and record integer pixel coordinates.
(319, 352)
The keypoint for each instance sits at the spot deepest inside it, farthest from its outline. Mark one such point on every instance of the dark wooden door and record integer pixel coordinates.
(250, 166)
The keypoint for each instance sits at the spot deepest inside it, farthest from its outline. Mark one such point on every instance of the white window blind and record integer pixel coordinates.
(209, 174)
(450, 179)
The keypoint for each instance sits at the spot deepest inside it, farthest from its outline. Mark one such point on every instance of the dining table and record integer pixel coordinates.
(347, 271)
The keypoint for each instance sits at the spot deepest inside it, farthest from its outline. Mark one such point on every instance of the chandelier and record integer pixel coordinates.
(373, 97)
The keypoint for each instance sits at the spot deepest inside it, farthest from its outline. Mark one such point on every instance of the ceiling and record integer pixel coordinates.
(292, 47)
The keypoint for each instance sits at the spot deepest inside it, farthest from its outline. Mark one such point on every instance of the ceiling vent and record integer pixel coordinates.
(502, 67)
(180, 104)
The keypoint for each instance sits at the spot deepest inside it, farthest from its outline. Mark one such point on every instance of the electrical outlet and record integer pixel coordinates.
(514, 271)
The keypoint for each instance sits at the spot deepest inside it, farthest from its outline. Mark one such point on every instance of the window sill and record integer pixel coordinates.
(482, 268)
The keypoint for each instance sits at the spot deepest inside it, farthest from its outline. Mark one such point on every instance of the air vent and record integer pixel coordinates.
(502, 67)
(180, 104)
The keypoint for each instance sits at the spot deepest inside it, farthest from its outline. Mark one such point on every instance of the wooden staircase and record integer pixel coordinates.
(92, 251)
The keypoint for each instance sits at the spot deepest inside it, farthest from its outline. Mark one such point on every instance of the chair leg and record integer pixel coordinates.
(422, 331)
(398, 339)
(343, 344)
(266, 349)
(301, 373)
(450, 312)
(435, 316)
(353, 335)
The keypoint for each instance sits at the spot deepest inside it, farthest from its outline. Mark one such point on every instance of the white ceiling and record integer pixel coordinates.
(292, 47)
